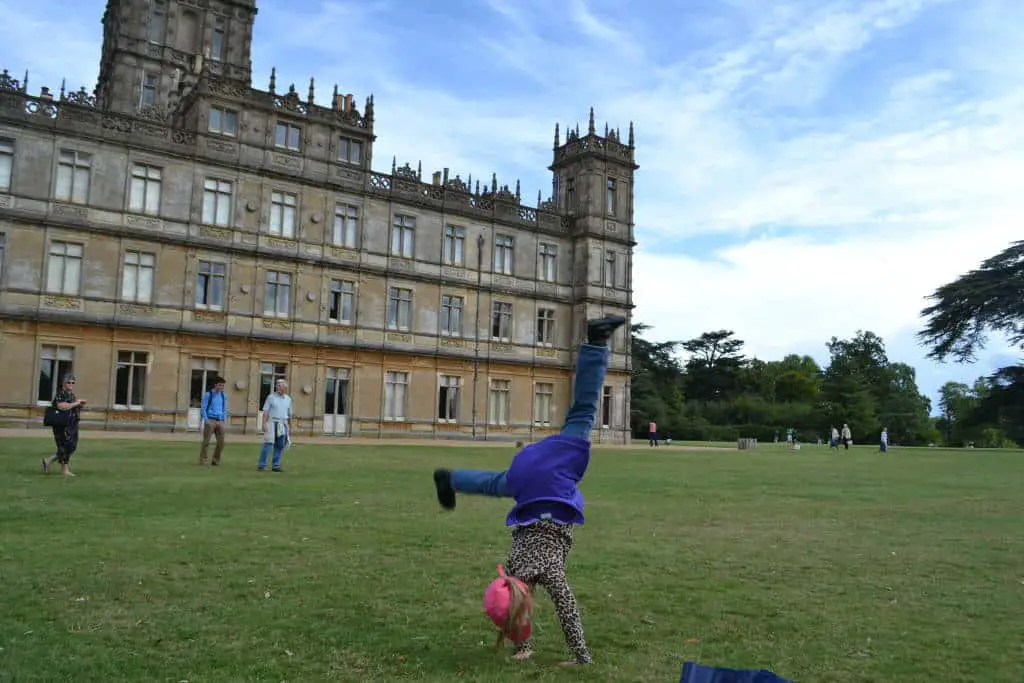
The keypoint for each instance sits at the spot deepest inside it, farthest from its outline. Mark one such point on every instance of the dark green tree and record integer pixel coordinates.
(988, 299)
(957, 324)
(713, 371)
(656, 388)
(856, 372)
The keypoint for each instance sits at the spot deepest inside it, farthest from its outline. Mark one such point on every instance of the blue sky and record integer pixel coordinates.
(808, 167)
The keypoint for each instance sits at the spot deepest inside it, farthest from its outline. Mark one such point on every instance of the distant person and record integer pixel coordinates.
(68, 413)
(834, 439)
(214, 412)
(277, 415)
(653, 433)
(847, 436)
(883, 445)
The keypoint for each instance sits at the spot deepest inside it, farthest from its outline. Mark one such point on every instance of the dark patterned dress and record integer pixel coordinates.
(66, 438)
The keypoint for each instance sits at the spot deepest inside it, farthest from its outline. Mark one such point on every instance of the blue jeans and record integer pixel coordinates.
(591, 366)
(280, 441)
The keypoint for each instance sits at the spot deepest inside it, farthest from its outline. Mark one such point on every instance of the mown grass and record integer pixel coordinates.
(821, 567)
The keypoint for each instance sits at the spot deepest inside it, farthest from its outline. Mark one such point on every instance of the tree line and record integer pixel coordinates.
(708, 389)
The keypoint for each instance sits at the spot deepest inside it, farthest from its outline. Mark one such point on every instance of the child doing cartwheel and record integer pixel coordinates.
(543, 479)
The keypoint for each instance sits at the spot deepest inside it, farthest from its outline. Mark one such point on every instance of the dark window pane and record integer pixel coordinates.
(138, 385)
(45, 391)
(121, 382)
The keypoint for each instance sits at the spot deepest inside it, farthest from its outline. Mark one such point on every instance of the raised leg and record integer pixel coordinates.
(473, 482)
(591, 366)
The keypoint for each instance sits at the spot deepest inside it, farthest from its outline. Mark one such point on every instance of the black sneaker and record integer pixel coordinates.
(445, 490)
(600, 330)
(276, 469)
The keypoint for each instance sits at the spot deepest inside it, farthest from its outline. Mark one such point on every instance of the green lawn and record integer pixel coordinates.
(822, 567)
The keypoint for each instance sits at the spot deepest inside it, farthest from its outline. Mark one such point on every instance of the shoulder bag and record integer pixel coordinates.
(56, 418)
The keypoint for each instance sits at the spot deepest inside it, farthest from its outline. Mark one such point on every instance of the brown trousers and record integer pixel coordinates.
(212, 428)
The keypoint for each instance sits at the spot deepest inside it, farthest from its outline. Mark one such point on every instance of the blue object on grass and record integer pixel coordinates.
(698, 673)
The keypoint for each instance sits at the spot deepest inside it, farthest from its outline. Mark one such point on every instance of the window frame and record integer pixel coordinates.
(211, 277)
(132, 365)
(278, 287)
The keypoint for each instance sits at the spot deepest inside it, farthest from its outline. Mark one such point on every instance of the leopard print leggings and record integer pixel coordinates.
(538, 556)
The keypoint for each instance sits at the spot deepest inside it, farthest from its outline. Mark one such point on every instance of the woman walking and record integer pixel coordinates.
(65, 436)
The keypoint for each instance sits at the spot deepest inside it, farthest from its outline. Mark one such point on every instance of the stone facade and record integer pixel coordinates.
(180, 224)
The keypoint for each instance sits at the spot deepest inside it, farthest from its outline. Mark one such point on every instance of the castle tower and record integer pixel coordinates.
(150, 47)
(593, 181)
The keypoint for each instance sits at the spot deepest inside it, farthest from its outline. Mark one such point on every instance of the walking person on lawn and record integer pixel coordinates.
(277, 415)
(65, 436)
(214, 411)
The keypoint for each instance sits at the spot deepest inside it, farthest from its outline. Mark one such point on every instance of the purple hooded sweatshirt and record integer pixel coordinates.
(543, 477)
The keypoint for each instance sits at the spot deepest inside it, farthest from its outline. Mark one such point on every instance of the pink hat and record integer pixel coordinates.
(498, 601)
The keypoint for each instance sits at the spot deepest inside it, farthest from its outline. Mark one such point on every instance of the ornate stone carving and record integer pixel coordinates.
(380, 182)
(134, 310)
(286, 160)
(147, 222)
(9, 84)
(547, 352)
(503, 281)
(70, 303)
(453, 342)
(131, 416)
(71, 210)
(400, 337)
(455, 273)
(501, 348)
(5, 201)
(227, 88)
(215, 233)
(349, 174)
(344, 254)
(276, 324)
(222, 147)
(401, 264)
(406, 172)
(280, 243)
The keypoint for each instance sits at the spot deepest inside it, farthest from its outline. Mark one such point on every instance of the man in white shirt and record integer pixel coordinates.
(277, 413)
(883, 446)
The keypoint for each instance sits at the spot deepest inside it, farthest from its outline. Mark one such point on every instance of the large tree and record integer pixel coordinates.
(987, 299)
(656, 387)
(957, 324)
(713, 369)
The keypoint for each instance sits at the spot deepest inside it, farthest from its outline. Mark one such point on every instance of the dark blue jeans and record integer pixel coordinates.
(591, 366)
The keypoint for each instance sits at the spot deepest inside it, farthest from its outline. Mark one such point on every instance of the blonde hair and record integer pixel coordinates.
(520, 607)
